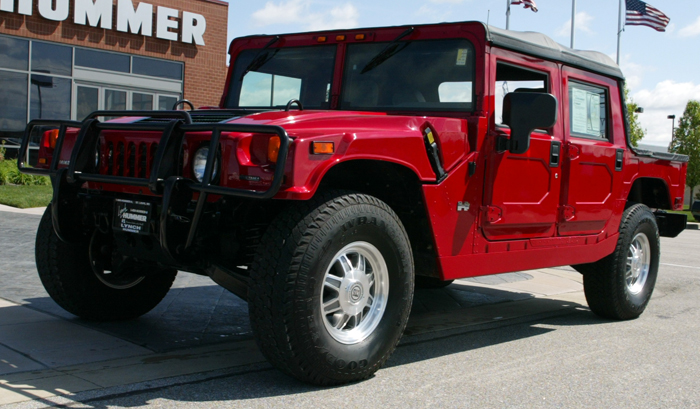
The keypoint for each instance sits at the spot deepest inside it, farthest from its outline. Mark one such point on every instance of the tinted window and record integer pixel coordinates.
(141, 102)
(51, 58)
(14, 53)
(425, 75)
(587, 111)
(13, 100)
(156, 68)
(102, 60)
(115, 100)
(88, 101)
(51, 97)
(166, 103)
(275, 76)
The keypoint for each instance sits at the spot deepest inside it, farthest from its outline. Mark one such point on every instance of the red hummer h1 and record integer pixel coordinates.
(344, 167)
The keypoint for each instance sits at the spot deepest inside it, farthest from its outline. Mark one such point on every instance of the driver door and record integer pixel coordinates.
(521, 190)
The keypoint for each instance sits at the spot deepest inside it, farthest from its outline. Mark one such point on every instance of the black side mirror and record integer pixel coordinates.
(524, 112)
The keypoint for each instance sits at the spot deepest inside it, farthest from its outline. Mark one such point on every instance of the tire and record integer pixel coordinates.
(620, 285)
(307, 284)
(425, 282)
(65, 272)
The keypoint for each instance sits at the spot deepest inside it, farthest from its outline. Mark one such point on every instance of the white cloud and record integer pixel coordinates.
(447, 1)
(691, 30)
(634, 73)
(310, 16)
(583, 23)
(667, 98)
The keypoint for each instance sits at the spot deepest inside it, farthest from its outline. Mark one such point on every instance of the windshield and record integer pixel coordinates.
(274, 76)
(430, 75)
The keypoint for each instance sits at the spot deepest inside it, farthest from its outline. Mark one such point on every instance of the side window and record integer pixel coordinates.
(510, 78)
(587, 111)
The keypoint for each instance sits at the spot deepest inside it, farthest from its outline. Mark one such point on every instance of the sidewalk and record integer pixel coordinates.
(34, 210)
(49, 358)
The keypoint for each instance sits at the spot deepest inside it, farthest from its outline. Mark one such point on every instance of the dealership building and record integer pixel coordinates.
(63, 59)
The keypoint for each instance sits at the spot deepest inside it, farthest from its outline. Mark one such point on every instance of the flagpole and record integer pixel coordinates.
(573, 22)
(508, 15)
(619, 32)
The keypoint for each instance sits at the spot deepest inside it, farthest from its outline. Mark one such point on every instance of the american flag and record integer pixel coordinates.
(529, 4)
(640, 13)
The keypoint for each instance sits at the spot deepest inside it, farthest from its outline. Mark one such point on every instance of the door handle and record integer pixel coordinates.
(555, 154)
(619, 156)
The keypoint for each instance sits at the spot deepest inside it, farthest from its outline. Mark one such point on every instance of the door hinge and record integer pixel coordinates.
(568, 212)
(573, 152)
(492, 214)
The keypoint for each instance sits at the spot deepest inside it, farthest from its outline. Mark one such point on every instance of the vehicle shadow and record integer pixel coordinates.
(454, 329)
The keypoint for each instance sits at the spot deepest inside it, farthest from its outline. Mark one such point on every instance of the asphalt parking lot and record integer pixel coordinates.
(201, 332)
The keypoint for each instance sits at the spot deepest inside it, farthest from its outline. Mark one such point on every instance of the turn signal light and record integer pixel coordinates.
(340, 38)
(321, 39)
(359, 36)
(323, 148)
(273, 149)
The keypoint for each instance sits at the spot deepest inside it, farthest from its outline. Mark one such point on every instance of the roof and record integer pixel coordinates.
(527, 42)
(538, 44)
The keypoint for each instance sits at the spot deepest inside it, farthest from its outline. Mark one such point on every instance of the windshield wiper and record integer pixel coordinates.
(389, 51)
(260, 59)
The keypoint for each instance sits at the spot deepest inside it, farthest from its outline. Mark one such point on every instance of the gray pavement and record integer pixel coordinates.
(195, 348)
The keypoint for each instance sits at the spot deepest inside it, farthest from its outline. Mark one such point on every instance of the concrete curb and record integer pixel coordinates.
(35, 210)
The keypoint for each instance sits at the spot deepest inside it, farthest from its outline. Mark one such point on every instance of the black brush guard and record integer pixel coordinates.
(176, 191)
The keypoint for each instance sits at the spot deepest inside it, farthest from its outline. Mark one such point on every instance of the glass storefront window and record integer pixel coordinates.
(155, 68)
(141, 102)
(13, 103)
(166, 103)
(51, 97)
(102, 60)
(88, 101)
(115, 100)
(14, 54)
(52, 58)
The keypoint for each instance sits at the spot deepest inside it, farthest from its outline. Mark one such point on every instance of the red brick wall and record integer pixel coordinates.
(205, 66)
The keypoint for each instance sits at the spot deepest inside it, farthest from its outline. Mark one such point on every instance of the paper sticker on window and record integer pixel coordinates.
(585, 112)
(462, 56)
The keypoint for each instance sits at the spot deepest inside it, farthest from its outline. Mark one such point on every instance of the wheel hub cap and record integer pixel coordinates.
(354, 294)
(638, 263)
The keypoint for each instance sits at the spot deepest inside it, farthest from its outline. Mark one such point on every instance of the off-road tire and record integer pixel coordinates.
(425, 282)
(605, 282)
(65, 272)
(287, 283)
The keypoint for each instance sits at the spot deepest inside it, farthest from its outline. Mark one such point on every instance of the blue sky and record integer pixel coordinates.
(662, 69)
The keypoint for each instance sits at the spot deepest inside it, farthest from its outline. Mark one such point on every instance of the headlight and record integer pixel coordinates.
(199, 164)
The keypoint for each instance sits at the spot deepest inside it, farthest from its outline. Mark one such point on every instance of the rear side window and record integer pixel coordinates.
(588, 107)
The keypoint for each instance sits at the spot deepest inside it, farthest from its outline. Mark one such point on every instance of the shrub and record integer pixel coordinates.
(10, 175)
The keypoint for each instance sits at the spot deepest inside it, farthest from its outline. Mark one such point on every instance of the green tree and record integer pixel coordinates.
(636, 130)
(686, 141)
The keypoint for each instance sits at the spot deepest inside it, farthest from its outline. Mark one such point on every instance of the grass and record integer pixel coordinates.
(685, 211)
(25, 197)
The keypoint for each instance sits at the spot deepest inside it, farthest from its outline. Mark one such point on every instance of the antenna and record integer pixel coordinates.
(488, 16)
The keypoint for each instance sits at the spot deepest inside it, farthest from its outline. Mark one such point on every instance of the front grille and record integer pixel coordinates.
(129, 159)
